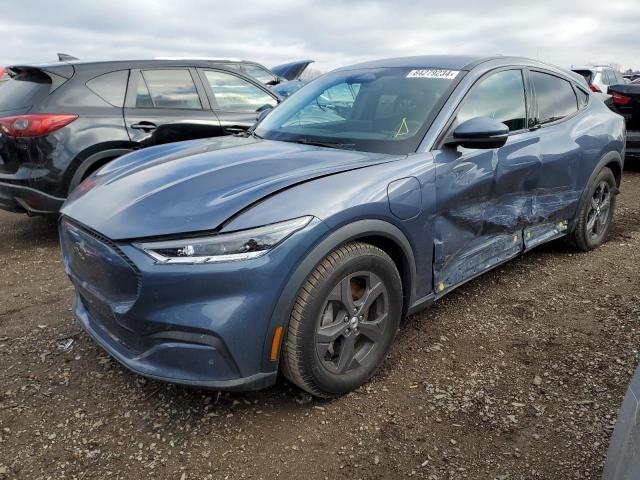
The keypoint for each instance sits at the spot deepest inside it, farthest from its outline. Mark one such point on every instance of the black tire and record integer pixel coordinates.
(319, 310)
(594, 218)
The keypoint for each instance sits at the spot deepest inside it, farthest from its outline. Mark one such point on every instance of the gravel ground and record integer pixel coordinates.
(516, 375)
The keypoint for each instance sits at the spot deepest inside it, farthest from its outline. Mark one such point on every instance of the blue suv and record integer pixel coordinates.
(370, 193)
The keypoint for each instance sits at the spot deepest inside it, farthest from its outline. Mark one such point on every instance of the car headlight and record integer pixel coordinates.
(224, 247)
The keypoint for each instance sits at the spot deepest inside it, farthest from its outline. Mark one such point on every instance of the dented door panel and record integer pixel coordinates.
(557, 191)
(484, 200)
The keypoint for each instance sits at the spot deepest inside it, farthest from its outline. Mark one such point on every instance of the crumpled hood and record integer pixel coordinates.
(197, 185)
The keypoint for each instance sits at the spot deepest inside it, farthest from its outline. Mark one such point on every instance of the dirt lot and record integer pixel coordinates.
(516, 375)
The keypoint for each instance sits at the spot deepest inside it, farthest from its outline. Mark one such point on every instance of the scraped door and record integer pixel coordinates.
(484, 197)
(559, 129)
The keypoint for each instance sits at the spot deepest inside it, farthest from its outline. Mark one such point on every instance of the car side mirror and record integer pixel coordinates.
(479, 132)
(275, 81)
(263, 113)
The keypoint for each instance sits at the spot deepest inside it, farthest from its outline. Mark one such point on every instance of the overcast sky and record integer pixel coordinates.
(333, 32)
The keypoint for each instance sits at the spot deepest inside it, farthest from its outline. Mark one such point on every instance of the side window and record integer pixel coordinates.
(583, 98)
(234, 94)
(259, 73)
(169, 89)
(111, 87)
(609, 77)
(501, 97)
(143, 97)
(556, 98)
(619, 78)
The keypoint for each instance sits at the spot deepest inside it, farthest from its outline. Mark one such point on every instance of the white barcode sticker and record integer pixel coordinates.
(433, 73)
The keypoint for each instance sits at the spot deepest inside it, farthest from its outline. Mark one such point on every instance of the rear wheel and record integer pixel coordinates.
(595, 215)
(344, 320)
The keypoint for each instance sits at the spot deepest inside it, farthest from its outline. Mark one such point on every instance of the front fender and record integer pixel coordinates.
(333, 239)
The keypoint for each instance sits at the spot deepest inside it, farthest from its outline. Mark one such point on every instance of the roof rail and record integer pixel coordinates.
(219, 59)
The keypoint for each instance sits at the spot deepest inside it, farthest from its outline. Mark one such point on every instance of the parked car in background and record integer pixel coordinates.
(252, 69)
(600, 77)
(290, 75)
(60, 122)
(282, 79)
(373, 191)
(625, 100)
(623, 458)
(291, 71)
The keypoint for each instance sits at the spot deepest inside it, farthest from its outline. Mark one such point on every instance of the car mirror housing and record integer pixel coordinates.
(263, 113)
(481, 133)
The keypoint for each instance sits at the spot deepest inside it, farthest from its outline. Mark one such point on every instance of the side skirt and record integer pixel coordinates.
(429, 299)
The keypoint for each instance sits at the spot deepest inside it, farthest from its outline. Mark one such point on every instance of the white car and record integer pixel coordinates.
(600, 77)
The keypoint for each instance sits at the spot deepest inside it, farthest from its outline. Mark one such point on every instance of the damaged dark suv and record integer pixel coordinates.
(61, 122)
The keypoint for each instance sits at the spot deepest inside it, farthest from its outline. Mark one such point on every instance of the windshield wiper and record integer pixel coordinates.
(247, 134)
(320, 143)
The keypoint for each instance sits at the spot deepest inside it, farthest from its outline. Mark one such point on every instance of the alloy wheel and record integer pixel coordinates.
(598, 214)
(352, 322)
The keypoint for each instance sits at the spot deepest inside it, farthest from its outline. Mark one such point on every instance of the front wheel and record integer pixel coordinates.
(595, 215)
(344, 320)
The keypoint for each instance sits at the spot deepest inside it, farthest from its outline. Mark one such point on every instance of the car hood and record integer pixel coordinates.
(196, 185)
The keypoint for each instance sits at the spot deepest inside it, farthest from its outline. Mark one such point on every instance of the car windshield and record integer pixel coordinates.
(384, 110)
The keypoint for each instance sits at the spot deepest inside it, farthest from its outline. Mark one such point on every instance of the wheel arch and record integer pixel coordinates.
(612, 160)
(379, 233)
(616, 168)
(90, 160)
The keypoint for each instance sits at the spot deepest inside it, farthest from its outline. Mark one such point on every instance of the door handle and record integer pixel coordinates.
(144, 126)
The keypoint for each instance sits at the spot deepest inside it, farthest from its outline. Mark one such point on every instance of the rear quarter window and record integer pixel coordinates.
(555, 96)
(111, 87)
(24, 90)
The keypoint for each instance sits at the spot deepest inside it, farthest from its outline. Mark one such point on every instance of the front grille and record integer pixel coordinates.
(99, 265)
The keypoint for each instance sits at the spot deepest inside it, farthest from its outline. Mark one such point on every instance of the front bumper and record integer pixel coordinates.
(207, 325)
(184, 358)
(21, 199)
